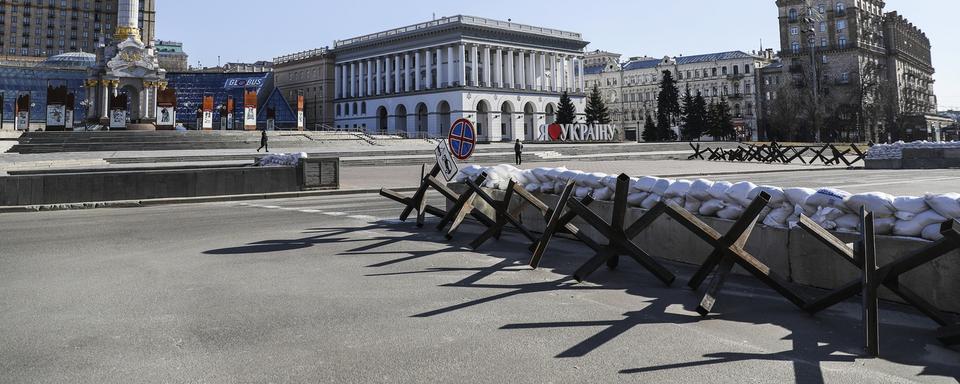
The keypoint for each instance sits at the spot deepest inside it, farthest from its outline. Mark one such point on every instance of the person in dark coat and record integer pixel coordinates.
(518, 150)
(263, 142)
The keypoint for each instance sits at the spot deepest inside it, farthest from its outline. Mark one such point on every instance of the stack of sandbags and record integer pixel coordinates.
(281, 159)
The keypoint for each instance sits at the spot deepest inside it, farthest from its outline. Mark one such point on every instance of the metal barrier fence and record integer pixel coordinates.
(826, 154)
(728, 249)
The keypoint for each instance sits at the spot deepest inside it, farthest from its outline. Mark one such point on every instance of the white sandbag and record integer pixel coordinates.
(609, 181)
(678, 188)
(700, 189)
(799, 195)
(651, 201)
(911, 204)
(532, 187)
(636, 199)
(947, 205)
(691, 204)
(718, 191)
(661, 186)
(553, 174)
(914, 228)
(711, 207)
(828, 197)
(904, 215)
(881, 204)
(778, 217)
(569, 175)
(547, 187)
(731, 212)
(541, 174)
(645, 184)
(592, 180)
(932, 232)
(581, 192)
(603, 194)
(739, 193)
(848, 222)
(777, 196)
(884, 225)
(826, 217)
(679, 201)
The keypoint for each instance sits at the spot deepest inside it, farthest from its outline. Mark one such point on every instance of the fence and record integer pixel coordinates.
(826, 154)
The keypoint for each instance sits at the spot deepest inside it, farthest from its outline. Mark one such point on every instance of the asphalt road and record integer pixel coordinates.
(330, 290)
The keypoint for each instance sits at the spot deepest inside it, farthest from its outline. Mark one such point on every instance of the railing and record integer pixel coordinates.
(479, 21)
(301, 55)
(825, 154)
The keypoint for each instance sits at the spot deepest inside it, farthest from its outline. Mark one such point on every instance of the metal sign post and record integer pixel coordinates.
(448, 166)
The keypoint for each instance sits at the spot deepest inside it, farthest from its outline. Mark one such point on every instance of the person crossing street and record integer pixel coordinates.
(518, 150)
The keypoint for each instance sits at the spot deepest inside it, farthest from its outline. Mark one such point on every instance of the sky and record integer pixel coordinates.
(251, 30)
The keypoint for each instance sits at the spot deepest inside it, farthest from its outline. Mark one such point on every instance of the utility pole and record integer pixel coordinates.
(812, 18)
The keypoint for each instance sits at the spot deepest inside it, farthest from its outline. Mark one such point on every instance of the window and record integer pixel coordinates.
(714, 71)
(723, 70)
(841, 25)
(844, 77)
(823, 26)
(842, 42)
(795, 46)
(794, 31)
(821, 8)
(746, 69)
(840, 9)
(792, 15)
(823, 42)
(736, 70)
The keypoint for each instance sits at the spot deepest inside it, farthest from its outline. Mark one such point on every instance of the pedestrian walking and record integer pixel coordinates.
(263, 142)
(518, 150)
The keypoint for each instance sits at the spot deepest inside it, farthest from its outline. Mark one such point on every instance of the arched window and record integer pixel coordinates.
(792, 14)
(354, 107)
(840, 9)
(338, 109)
(363, 108)
(795, 46)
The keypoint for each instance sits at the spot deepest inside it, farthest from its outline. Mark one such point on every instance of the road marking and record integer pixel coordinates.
(363, 217)
(336, 214)
(311, 211)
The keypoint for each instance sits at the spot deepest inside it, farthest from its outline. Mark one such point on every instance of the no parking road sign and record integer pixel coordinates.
(448, 166)
(462, 138)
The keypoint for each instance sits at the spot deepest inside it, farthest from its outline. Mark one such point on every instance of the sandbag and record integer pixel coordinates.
(731, 212)
(777, 196)
(711, 207)
(532, 187)
(651, 201)
(881, 204)
(904, 215)
(932, 232)
(680, 201)
(911, 204)
(826, 217)
(603, 194)
(739, 193)
(553, 174)
(884, 225)
(609, 181)
(546, 187)
(778, 217)
(581, 192)
(914, 228)
(799, 195)
(947, 205)
(848, 222)
(678, 188)
(541, 174)
(700, 189)
(636, 199)
(592, 180)
(691, 204)
(645, 184)
(661, 186)
(718, 191)
(828, 198)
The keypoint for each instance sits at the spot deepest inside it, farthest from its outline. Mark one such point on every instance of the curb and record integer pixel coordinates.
(189, 200)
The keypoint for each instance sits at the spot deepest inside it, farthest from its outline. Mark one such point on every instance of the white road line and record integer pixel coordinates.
(311, 211)
(363, 217)
(335, 214)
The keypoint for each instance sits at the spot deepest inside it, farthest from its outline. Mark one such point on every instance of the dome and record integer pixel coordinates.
(71, 60)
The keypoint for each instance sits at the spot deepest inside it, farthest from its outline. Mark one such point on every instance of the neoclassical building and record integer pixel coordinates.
(505, 77)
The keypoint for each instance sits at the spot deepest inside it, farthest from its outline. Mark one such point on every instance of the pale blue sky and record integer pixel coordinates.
(249, 30)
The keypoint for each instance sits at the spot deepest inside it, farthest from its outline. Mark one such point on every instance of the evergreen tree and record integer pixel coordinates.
(721, 121)
(596, 109)
(668, 107)
(687, 116)
(649, 130)
(566, 112)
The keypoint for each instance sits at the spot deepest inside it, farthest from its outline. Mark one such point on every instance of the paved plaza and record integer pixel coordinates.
(334, 289)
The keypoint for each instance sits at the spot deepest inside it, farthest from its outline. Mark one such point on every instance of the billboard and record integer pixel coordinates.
(167, 108)
(249, 82)
(56, 116)
(21, 109)
(250, 110)
(118, 118)
(300, 120)
(207, 117)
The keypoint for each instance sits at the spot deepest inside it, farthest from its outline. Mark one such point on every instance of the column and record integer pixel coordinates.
(344, 81)
(486, 66)
(508, 82)
(406, 72)
(338, 81)
(350, 88)
(440, 81)
(105, 99)
(475, 62)
(369, 77)
(570, 85)
(416, 70)
(396, 74)
(553, 72)
(521, 69)
(376, 86)
(450, 66)
(429, 55)
(580, 74)
(542, 71)
(462, 65)
(532, 71)
(498, 66)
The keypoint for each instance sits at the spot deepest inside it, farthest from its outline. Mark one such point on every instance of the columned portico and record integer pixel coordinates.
(487, 66)
(474, 66)
(429, 56)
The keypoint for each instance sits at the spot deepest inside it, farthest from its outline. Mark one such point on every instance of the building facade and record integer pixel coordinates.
(505, 77)
(871, 71)
(630, 89)
(311, 74)
(171, 56)
(38, 29)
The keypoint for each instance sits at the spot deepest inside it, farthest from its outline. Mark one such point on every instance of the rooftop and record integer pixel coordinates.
(463, 20)
(681, 60)
(70, 60)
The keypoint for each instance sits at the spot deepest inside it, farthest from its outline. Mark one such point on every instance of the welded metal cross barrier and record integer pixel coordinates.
(826, 154)
(418, 202)
(559, 221)
(863, 256)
